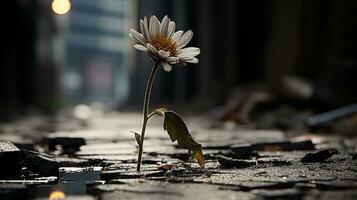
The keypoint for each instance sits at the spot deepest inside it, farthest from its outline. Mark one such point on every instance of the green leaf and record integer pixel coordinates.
(178, 131)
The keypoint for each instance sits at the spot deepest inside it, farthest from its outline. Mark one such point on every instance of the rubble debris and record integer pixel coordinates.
(256, 170)
(69, 145)
(40, 163)
(234, 163)
(273, 146)
(319, 156)
(10, 159)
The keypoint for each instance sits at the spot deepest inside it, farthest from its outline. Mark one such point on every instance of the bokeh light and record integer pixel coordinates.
(61, 7)
(57, 195)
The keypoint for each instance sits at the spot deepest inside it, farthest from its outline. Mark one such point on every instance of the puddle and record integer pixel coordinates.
(71, 182)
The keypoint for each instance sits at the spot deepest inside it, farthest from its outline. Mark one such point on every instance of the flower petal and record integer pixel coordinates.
(134, 39)
(194, 60)
(140, 47)
(177, 35)
(188, 60)
(144, 28)
(163, 54)
(164, 25)
(171, 29)
(172, 60)
(154, 27)
(189, 52)
(167, 67)
(151, 48)
(138, 37)
(184, 39)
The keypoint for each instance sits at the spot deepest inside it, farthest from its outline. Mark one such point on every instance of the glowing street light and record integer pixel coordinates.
(57, 195)
(61, 7)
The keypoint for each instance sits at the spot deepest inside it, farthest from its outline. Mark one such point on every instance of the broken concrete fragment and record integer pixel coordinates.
(234, 163)
(42, 164)
(319, 156)
(10, 159)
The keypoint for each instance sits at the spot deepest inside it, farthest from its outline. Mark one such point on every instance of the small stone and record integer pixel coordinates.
(319, 156)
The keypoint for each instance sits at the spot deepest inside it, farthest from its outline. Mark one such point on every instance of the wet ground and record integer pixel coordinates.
(96, 159)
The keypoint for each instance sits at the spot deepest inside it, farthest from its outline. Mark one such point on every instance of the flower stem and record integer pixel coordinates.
(145, 112)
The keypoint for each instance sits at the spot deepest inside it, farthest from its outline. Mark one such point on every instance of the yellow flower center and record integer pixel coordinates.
(165, 44)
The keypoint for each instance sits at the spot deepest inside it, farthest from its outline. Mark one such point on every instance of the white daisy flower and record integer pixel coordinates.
(160, 41)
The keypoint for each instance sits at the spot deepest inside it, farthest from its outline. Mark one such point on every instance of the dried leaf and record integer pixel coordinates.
(178, 131)
(198, 154)
(137, 137)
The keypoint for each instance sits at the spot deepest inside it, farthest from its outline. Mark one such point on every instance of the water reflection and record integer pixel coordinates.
(71, 184)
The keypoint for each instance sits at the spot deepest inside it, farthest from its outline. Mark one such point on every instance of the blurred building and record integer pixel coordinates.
(51, 60)
(94, 35)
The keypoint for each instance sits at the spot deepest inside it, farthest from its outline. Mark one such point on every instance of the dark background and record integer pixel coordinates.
(242, 43)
